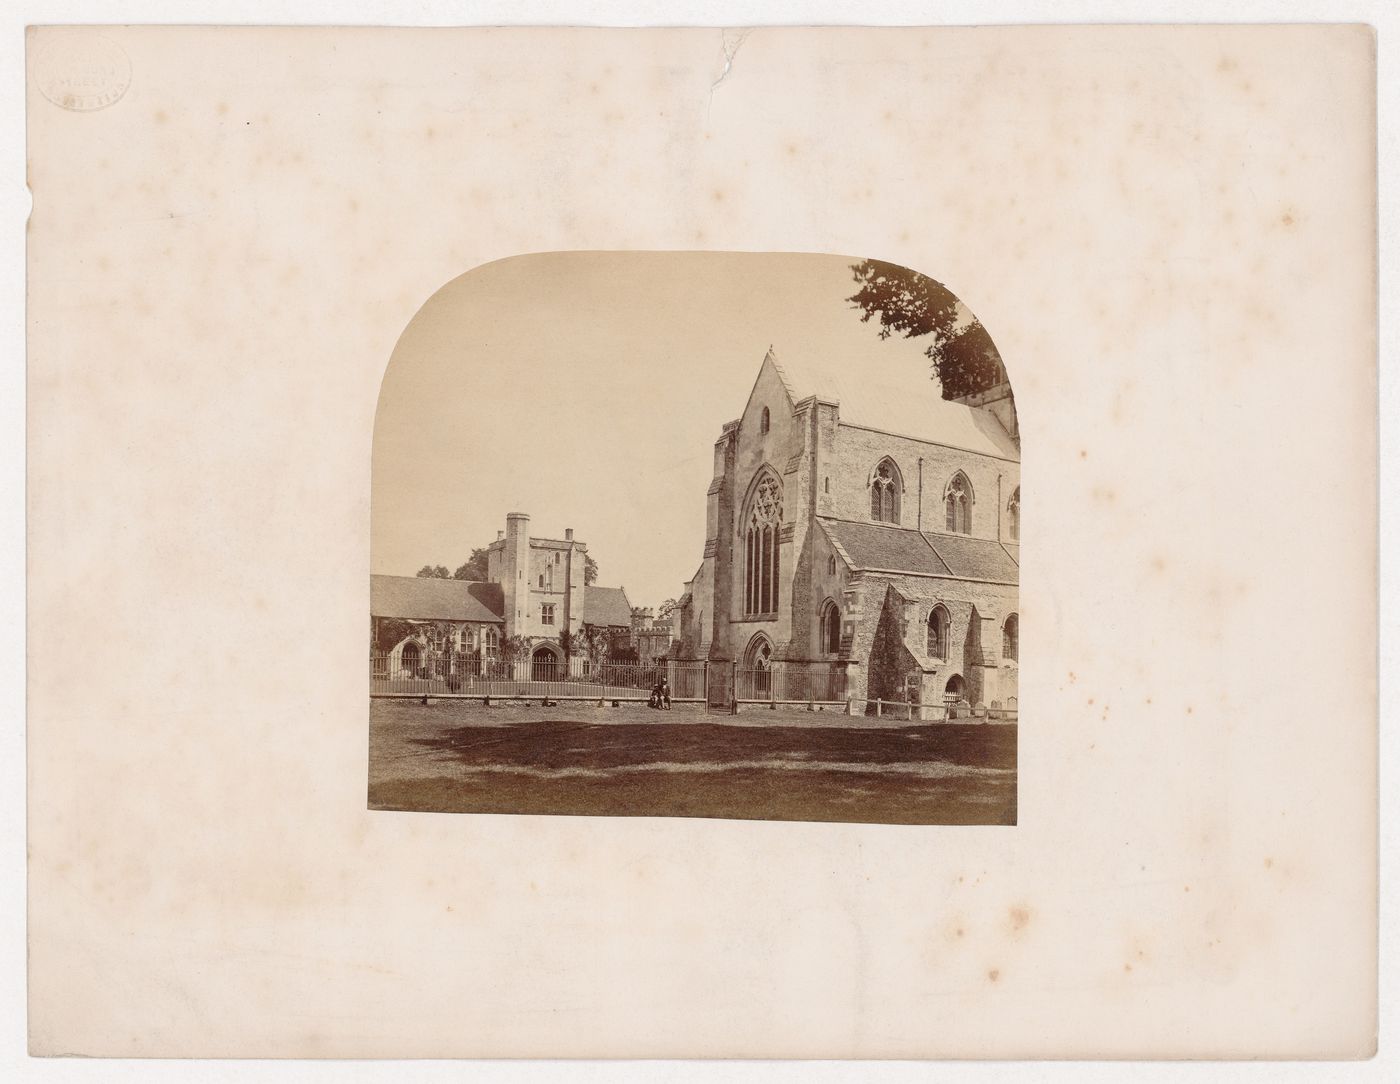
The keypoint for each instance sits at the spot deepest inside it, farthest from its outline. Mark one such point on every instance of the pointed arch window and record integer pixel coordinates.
(1011, 638)
(1013, 515)
(938, 623)
(886, 486)
(765, 421)
(957, 505)
(761, 546)
(831, 628)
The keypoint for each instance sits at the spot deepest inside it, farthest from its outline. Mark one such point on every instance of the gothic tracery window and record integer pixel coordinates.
(885, 487)
(761, 545)
(957, 505)
(1013, 515)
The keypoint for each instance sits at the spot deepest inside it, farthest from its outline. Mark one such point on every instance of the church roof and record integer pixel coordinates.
(870, 545)
(895, 395)
(879, 547)
(606, 606)
(975, 558)
(428, 598)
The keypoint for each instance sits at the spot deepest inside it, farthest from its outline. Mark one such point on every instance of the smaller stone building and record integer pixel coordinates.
(651, 636)
(426, 615)
(535, 588)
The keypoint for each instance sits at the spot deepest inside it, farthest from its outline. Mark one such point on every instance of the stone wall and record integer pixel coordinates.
(854, 454)
(752, 452)
(977, 612)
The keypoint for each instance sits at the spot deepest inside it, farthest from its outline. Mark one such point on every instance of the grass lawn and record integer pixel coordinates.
(461, 757)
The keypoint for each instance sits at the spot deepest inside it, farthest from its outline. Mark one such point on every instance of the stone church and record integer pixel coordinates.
(867, 525)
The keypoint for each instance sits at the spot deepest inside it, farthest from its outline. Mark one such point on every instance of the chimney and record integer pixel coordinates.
(500, 535)
(568, 534)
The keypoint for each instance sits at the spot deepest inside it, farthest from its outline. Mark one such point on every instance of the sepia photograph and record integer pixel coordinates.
(775, 578)
(656, 393)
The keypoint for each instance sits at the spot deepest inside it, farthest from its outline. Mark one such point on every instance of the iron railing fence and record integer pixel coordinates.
(791, 683)
(453, 673)
(721, 684)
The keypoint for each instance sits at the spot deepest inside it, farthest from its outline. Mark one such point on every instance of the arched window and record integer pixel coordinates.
(490, 641)
(1013, 515)
(957, 504)
(938, 633)
(762, 524)
(831, 566)
(831, 628)
(1011, 638)
(765, 421)
(885, 488)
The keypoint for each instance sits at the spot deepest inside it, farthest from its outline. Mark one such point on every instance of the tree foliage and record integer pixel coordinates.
(666, 609)
(475, 567)
(386, 633)
(590, 570)
(435, 572)
(602, 643)
(515, 648)
(964, 358)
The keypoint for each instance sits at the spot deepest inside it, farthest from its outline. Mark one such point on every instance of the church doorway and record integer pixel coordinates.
(955, 690)
(410, 657)
(544, 665)
(758, 669)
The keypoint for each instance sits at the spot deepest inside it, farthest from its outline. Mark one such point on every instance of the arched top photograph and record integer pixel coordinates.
(752, 489)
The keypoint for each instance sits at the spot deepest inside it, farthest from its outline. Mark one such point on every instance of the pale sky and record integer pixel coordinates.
(587, 390)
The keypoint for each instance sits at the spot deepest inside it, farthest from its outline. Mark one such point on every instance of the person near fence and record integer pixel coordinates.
(665, 694)
(654, 701)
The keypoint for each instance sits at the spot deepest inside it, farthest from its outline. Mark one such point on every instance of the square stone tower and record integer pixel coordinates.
(515, 566)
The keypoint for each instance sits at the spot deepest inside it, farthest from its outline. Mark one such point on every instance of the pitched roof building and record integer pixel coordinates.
(534, 587)
(422, 598)
(858, 520)
(607, 607)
